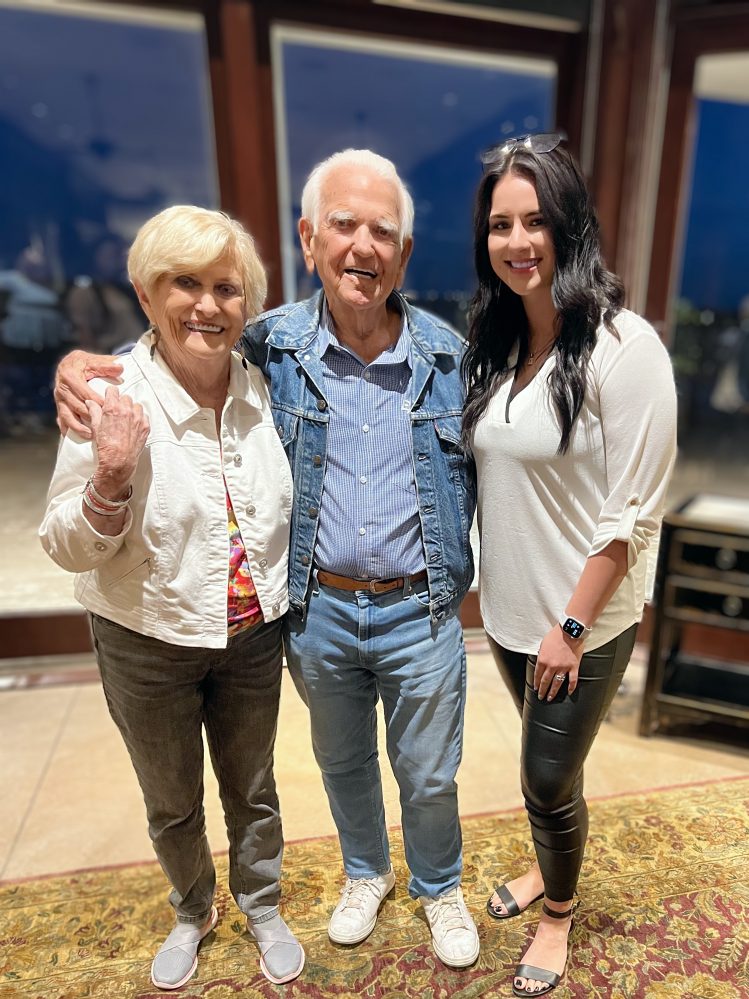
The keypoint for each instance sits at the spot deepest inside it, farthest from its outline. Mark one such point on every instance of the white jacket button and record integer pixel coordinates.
(237, 459)
(250, 511)
(100, 546)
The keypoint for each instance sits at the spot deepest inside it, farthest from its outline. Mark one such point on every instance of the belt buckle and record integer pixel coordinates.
(372, 585)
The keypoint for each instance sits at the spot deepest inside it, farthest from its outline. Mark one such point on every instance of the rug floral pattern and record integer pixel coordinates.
(664, 915)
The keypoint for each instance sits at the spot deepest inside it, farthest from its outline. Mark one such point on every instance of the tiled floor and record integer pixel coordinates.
(70, 799)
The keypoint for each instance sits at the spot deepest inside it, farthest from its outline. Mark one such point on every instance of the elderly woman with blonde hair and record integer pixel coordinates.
(175, 516)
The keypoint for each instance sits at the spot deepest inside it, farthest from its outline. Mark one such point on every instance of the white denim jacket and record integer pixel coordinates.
(166, 574)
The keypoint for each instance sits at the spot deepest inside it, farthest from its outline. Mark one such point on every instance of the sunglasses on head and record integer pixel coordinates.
(537, 142)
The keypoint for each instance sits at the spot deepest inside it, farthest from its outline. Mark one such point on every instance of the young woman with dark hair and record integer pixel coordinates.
(571, 416)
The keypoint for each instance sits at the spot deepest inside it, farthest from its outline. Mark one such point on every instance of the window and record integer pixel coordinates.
(431, 110)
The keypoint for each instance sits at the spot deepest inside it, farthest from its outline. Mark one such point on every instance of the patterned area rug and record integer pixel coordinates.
(664, 915)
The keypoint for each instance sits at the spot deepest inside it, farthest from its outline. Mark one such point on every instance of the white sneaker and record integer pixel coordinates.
(355, 915)
(454, 936)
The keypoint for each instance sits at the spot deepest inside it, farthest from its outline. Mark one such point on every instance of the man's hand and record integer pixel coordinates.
(71, 388)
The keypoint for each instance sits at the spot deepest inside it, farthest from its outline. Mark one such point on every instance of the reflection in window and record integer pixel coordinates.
(711, 338)
(430, 110)
(107, 124)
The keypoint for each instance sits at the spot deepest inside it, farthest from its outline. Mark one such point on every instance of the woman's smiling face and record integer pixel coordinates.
(521, 250)
(199, 314)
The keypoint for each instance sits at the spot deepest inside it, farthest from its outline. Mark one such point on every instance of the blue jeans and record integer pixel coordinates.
(160, 697)
(352, 648)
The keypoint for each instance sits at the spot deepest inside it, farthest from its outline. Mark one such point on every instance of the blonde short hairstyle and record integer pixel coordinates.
(358, 158)
(185, 238)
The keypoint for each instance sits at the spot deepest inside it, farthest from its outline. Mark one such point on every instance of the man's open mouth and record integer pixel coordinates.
(360, 272)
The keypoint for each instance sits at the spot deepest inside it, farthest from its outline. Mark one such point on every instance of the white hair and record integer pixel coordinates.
(358, 158)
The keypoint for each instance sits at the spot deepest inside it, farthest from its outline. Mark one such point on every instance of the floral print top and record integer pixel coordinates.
(244, 609)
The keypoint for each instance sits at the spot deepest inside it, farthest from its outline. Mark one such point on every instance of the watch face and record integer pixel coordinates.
(573, 628)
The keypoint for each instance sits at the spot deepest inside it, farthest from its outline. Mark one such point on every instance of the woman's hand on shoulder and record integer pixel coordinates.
(119, 429)
(72, 390)
(559, 654)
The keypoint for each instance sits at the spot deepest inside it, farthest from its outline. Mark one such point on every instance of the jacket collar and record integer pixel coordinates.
(295, 327)
(173, 398)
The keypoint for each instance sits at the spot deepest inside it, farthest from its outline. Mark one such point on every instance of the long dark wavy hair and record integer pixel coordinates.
(583, 291)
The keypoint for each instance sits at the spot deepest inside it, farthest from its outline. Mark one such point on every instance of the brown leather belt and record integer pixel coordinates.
(370, 585)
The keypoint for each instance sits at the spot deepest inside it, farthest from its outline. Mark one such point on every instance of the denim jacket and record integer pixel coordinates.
(279, 341)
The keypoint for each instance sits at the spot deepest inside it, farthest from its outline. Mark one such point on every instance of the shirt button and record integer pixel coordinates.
(312, 512)
(263, 563)
(365, 428)
(367, 375)
(305, 559)
(362, 530)
(275, 608)
(100, 546)
(363, 479)
(322, 405)
(237, 460)
(634, 501)
(250, 511)
(306, 357)
(279, 428)
(317, 461)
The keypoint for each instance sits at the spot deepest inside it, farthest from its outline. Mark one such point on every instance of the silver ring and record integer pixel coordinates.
(559, 676)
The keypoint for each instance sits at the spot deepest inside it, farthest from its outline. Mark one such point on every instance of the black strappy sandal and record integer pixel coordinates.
(509, 902)
(550, 978)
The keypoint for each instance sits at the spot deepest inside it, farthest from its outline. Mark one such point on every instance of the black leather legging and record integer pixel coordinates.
(557, 736)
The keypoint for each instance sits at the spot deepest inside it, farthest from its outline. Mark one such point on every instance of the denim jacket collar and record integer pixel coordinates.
(298, 328)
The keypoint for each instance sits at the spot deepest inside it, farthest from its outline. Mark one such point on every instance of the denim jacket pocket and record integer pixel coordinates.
(448, 430)
(287, 426)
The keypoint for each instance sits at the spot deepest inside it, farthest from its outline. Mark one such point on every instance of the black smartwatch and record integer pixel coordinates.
(572, 627)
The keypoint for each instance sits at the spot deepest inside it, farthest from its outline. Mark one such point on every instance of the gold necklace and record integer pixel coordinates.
(533, 355)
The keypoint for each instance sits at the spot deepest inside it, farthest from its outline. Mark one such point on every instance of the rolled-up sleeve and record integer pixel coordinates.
(637, 400)
(65, 533)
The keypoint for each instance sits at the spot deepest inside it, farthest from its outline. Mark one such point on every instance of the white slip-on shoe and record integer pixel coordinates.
(454, 935)
(355, 915)
(176, 960)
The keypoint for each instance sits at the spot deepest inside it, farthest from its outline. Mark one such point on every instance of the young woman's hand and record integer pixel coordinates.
(558, 662)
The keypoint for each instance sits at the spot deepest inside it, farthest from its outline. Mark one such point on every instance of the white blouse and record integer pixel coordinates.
(541, 514)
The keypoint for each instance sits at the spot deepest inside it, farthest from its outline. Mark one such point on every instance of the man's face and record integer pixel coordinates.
(355, 244)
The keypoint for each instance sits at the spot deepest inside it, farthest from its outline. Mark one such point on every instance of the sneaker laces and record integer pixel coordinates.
(355, 893)
(447, 913)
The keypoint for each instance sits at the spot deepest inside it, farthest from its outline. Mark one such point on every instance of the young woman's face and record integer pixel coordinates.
(521, 250)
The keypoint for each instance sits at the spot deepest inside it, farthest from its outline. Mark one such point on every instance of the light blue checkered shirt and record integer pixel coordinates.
(369, 520)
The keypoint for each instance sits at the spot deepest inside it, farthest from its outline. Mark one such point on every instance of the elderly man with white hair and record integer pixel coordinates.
(367, 398)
